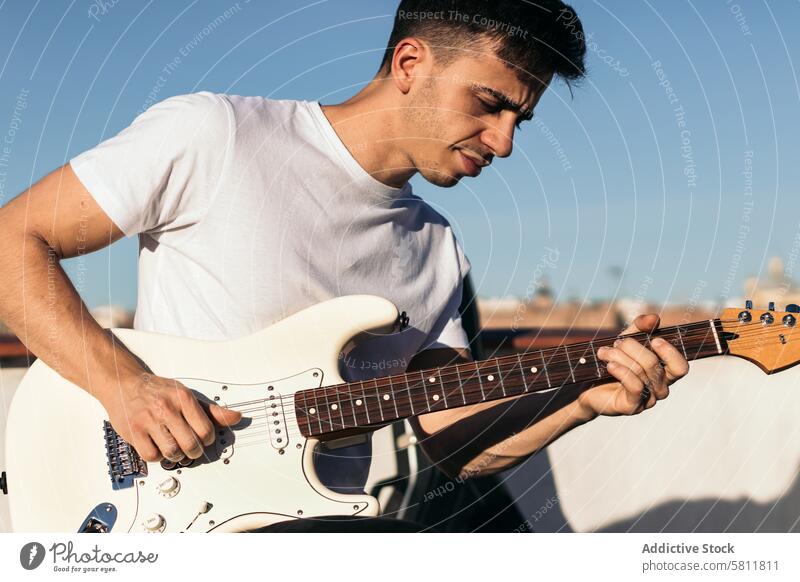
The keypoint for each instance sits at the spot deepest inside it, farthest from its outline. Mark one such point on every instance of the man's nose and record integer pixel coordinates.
(500, 139)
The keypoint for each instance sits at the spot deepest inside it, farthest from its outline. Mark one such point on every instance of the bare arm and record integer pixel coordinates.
(57, 218)
(493, 436)
(488, 437)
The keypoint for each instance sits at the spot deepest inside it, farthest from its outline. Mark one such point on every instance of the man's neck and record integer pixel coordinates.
(367, 126)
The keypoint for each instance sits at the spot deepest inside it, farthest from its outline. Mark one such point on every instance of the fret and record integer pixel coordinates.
(314, 410)
(326, 409)
(716, 337)
(683, 347)
(569, 364)
(500, 375)
(480, 382)
(338, 407)
(544, 367)
(378, 396)
(596, 361)
(522, 371)
(410, 399)
(366, 402)
(460, 384)
(444, 390)
(352, 406)
(425, 390)
(394, 397)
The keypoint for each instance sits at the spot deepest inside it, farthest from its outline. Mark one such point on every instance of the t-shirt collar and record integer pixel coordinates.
(374, 187)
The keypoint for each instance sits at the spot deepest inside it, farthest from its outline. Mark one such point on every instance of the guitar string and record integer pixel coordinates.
(332, 420)
(263, 426)
(471, 377)
(560, 367)
(512, 359)
(257, 435)
(555, 369)
(352, 391)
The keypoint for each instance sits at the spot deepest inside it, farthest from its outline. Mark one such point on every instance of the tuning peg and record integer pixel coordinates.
(771, 306)
(793, 308)
(748, 304)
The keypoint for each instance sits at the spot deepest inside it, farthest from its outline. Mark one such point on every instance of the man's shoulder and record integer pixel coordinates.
(421, 212)
(244, 109)
(255, 108)
(422, 215)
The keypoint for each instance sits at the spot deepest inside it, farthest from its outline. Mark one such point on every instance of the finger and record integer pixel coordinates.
(197, 418)
(631, 383)
(166, 443)
(643, 323)
(224, 416)
(675, 364)
(190, 444)
(146, 448)
(648, 398)
(649, 362)
(618, 356)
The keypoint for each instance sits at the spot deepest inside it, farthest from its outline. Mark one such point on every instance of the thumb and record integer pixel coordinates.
(224, 416)
(645, 323)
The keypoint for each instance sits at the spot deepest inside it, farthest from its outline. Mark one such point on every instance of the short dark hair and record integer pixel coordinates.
(534, 37)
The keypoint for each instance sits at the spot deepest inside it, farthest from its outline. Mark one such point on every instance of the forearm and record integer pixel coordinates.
(493, 436)
(41, 306)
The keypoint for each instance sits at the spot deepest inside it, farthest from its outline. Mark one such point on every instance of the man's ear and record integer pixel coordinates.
(412, 59)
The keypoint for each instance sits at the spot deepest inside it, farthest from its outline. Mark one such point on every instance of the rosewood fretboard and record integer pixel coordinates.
(328, 411)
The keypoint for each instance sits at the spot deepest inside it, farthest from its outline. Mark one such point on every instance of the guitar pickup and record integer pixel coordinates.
(124, 463)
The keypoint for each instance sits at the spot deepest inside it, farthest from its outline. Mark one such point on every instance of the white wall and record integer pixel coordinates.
(720, 454)
(9, 379)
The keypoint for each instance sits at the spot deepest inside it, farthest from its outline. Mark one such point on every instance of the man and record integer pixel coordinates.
(248, 210)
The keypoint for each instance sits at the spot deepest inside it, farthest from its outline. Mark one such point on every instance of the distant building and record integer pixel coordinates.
(777, 285)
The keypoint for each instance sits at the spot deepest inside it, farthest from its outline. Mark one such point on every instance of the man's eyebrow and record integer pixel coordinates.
(506, 102)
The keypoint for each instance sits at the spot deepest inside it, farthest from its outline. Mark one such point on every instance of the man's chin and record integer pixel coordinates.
(441, 179)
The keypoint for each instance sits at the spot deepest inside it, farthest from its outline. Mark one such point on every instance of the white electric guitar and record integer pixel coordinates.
(69, 471)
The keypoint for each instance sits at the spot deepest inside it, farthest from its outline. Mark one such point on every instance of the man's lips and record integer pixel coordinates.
(472, 165)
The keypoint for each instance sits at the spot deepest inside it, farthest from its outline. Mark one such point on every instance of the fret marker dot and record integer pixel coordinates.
(436, 397)
(432, 379)
(582, 361)
(312, 410)
(534, 369)
(358, 402)
(386, 397)
(490, 377)
(334, 406)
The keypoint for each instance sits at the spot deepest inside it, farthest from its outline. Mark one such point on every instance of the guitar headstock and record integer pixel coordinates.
(768, 338)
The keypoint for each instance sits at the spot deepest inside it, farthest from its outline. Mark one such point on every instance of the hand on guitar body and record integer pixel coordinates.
(162, 418)
(57, 217)
(635, 366)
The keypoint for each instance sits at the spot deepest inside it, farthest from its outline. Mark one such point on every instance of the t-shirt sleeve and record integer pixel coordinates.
(161, 172)
(448, 331)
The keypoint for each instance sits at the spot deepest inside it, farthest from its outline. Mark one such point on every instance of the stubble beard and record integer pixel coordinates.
(423, 119)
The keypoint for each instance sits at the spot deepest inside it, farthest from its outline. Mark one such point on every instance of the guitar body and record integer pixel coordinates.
(58, 473)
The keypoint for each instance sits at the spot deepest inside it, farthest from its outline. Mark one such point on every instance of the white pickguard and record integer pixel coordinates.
(55, 449)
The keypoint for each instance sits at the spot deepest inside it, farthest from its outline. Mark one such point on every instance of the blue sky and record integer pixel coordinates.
(688, 192)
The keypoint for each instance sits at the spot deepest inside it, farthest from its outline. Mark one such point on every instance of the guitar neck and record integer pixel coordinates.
(345, 408)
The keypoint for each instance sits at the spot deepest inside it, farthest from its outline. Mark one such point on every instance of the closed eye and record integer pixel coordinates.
(493, 108)
(490, 107)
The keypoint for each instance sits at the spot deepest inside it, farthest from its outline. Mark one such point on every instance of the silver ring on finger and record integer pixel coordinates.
(179, 455)
(645, 397)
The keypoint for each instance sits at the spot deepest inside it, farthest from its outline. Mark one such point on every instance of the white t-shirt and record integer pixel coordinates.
(249, 210)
